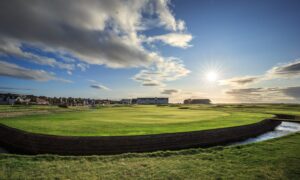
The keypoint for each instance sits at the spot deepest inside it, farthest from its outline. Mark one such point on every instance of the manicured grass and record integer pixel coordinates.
(274, 159)
(134, 120)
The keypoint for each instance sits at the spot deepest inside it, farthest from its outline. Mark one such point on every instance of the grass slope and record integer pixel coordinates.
(275, 159)
(133, 120)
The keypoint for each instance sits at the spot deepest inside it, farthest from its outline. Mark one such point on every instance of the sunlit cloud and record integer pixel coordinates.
(162, 71)
(173, 39)
(288, 70)
(283, 71)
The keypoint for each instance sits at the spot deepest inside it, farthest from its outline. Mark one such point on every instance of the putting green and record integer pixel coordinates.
(132, 120)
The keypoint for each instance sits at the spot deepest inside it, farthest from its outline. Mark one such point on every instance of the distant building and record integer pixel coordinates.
(22, 100)
(125, 101)
(11, 99)
(154, 100)
(41, 101)
(133, 101)
(197, 101)
(4, 99)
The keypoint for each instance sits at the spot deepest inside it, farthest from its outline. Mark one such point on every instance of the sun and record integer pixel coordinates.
(212, 76)
(211, 72)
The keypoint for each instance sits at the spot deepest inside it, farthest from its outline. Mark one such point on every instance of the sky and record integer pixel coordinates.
(229, 51)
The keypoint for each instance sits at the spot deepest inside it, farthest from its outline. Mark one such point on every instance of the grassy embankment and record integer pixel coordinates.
(134, 120)
(275, 159)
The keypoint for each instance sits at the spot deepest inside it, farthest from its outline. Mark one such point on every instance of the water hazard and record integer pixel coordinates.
(285, 128)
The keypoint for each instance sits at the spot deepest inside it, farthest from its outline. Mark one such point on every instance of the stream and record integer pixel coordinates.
(285, 128)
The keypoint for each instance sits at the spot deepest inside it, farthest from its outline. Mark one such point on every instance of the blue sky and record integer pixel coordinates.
(229, 51)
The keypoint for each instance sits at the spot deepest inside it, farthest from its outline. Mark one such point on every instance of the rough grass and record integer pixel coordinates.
(21, 110)
(134, 120)
(274, 159)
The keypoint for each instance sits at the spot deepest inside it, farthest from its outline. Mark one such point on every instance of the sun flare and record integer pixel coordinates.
(212, 76)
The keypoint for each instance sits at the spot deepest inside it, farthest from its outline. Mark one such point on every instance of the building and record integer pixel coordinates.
(133, 101)
(11, 99)
(197, 101)
(3, 99)
(152, 100)
(125, 101)
(41, 101)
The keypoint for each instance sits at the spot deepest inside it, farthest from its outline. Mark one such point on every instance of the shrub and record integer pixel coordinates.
(63, 106)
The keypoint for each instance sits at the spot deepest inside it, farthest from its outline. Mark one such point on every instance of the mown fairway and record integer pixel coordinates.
(133, 120)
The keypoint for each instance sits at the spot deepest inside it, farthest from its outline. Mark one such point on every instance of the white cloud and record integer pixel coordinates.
(82, 66)
(92, 81)
(173, 39)
(181, 25)
(166, 16)
(163, 70)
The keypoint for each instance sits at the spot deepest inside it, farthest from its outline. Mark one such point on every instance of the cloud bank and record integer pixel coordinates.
(95, 32)
(15, 71)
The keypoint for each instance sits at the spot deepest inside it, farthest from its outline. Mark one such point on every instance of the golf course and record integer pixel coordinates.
(272, 159)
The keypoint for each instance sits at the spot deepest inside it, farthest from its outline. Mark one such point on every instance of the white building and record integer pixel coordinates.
(153, 100)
